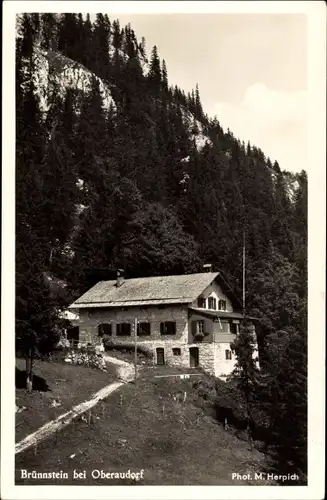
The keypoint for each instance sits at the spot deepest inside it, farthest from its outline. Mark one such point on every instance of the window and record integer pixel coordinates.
(228, 354)
(143, 329)
(123, 329)
(222, 305)
(168, 328)
(223, 325)
(104, 329)
(198, 328)
(234, 327)
(201, 302)
(212, 303)
(176, 351)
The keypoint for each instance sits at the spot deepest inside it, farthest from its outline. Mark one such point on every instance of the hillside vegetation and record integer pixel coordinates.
(117, 168)
(57, 387)
(158, 425)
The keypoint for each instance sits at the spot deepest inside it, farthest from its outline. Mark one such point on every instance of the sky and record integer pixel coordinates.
(251, 70)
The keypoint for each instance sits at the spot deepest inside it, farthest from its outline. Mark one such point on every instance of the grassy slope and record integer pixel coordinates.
(70, 384)
(142, 427)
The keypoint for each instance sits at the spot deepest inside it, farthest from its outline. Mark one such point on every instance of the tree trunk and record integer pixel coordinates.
(250, 439)
(249, 420)
(29, 370)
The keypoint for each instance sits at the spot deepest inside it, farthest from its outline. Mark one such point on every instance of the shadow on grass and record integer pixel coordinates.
(286, 472)
(39, 383)
(279, 460)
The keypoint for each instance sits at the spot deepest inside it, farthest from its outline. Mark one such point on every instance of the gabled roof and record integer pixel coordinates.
(159, 290)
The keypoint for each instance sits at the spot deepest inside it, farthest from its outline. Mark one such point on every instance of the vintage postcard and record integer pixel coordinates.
(163, 250)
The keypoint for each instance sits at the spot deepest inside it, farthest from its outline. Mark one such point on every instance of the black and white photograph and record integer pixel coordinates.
(160, 250)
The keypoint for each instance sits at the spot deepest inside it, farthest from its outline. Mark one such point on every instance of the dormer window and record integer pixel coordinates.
(222, 305)
(201, 303)
(212, 303)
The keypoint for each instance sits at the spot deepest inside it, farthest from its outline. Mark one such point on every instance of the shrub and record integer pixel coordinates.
(144, 355)
(223, 400)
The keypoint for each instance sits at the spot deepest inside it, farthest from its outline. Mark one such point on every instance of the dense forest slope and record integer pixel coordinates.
(115, 167)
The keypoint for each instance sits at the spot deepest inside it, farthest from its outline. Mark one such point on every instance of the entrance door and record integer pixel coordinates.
(194, 357)
(160, 356)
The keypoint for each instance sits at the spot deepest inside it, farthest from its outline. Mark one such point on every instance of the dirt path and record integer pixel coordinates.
(125, 372)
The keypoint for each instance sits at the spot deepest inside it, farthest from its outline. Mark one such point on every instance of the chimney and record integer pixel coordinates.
(120, 277)
(207, 268)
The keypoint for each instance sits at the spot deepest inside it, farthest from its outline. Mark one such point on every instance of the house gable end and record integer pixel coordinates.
(218, 290)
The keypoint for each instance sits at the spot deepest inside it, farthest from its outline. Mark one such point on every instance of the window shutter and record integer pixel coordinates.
(194, 325)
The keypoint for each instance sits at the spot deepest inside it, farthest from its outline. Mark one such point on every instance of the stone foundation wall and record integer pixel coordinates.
(206, 356)
(206, 353)
(223, 366)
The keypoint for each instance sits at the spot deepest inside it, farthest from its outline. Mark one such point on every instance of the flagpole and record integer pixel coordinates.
(243, 304)
(135, 348)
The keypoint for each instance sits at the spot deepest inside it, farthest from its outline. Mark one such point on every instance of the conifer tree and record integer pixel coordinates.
(164, 78)
(49, 31)
(68, 37)
(86, 43)
(154, 76)
(284, 398)
(150, 251)
(60, 175)
(246, 371)
(35, 311)
(300, 235)
(142, 47)
(283, 212)
(117, 35)
(198, 105)
(101, 36)
(192, 104)
(91, 137)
